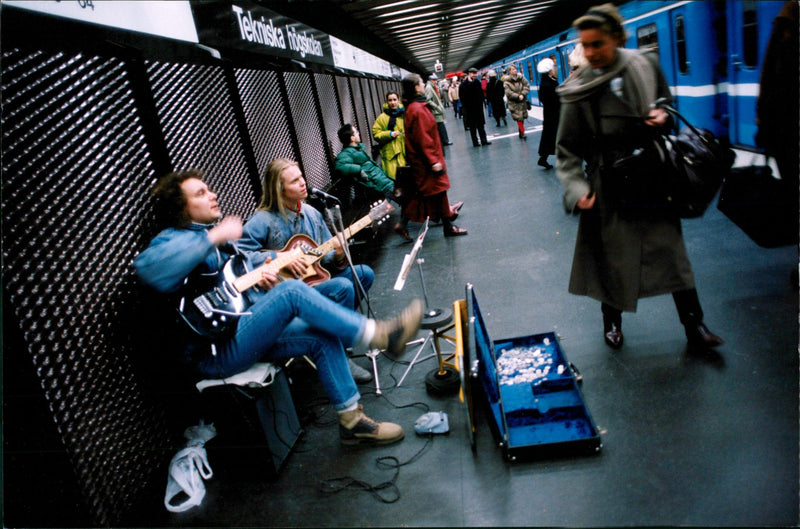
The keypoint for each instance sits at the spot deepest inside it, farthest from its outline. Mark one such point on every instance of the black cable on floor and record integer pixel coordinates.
(336, 485)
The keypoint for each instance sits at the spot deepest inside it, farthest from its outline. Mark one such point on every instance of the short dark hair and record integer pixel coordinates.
(169, 202)
(409, 85)
(345, 133)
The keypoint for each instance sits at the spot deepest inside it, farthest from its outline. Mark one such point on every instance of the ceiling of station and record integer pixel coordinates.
(414, 34)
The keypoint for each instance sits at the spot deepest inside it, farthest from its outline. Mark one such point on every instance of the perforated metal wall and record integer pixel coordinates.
(331, 115)
(266, 116)
(197, 118)
(371, 99)
(75, 171)
(360, 106)
(308, 128)
(345, 99)
(84, 138)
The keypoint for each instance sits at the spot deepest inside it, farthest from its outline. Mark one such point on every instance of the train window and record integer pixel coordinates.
(530, 70)
(750, 34)
(647, 36)
(680, 42)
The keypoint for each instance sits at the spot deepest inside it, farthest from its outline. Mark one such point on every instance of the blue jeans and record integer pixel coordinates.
(341, 287)
(290, 320)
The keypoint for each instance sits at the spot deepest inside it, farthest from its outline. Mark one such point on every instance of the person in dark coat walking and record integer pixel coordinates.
(471, 93)
(495, 93)
(619, 257)
(426, 158)
(550, 109)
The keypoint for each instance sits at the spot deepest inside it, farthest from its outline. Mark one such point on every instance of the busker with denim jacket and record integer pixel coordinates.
(620, 255)
(389, 130)
(286, 318)
(354, 162)
(282, 214)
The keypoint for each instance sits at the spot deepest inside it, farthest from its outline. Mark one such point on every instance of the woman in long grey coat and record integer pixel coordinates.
(619, 256)
(517, 88)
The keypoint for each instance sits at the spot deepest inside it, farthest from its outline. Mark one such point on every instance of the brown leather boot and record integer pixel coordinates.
(356, 428)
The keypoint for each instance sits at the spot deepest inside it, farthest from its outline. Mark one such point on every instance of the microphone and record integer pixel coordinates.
(322, 195)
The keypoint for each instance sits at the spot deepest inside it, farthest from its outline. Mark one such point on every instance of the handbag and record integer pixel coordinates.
(405, 186)
(700, 162)
(762, 206)
(528, 103)
(640, 182)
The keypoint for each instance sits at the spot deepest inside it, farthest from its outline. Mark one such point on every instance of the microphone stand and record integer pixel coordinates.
(337, 225)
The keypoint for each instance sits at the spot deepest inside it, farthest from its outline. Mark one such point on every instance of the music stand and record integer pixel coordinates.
(434, 319)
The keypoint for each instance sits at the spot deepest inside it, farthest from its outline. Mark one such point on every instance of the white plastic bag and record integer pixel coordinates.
(187, 470)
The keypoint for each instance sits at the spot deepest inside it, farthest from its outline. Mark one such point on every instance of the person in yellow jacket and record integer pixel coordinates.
(389, 132)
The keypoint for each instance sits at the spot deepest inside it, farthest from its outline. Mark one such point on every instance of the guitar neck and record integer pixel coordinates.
(250, 279)
(282, 259)
(354, 228)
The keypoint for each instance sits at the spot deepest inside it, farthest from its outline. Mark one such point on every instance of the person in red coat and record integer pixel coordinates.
(426, 158)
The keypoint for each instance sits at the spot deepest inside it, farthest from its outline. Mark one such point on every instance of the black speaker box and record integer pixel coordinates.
(257, 428)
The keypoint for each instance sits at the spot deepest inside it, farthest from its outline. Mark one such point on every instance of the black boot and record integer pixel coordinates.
(691, 316)
(612, 326)
(543, 162)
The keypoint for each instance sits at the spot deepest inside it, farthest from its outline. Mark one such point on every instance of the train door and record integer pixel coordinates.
(562, 57)
(695, 66)
(749, 25)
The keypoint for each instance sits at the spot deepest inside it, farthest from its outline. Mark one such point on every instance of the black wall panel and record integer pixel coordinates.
(360, 110)
(75, 174)
(345, 99)
(198, 121)
(85, 134)
(267, 119)
(331, 115)
(308, 129)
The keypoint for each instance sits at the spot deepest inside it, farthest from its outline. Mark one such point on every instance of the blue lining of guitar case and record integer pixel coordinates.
(532, 415)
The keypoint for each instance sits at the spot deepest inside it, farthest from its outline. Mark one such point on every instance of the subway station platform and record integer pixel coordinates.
(687, 440)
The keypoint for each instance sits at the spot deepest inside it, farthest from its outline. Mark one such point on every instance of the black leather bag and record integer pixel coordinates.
(405, 186)
(639, 181)
(700, 162)
(764, 207)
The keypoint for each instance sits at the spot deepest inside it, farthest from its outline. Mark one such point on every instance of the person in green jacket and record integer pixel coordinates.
(389, 131)
(354, 162)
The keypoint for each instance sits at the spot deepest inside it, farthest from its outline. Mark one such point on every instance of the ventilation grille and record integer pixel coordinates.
(265, 115)
(346, 100)
(331, 117)
(200, 131)
(307, 127)
(75, 174)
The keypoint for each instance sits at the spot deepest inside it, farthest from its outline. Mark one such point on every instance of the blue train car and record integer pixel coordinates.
(710, 51)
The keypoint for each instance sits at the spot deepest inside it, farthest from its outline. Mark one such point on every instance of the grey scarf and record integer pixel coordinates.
(637, 70)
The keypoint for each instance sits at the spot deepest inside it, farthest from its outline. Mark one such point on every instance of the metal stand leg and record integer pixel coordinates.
(414, 361)
(373, 355)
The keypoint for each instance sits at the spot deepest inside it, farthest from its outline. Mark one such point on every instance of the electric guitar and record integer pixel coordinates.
(212, 307)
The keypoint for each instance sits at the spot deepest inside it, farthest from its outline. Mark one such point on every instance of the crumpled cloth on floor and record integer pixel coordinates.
(187, 470)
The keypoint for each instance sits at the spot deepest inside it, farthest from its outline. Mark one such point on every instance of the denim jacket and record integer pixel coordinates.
(177, 252)
(271, 231)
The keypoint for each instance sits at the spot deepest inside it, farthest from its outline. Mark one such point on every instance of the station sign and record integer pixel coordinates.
(246, 26)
